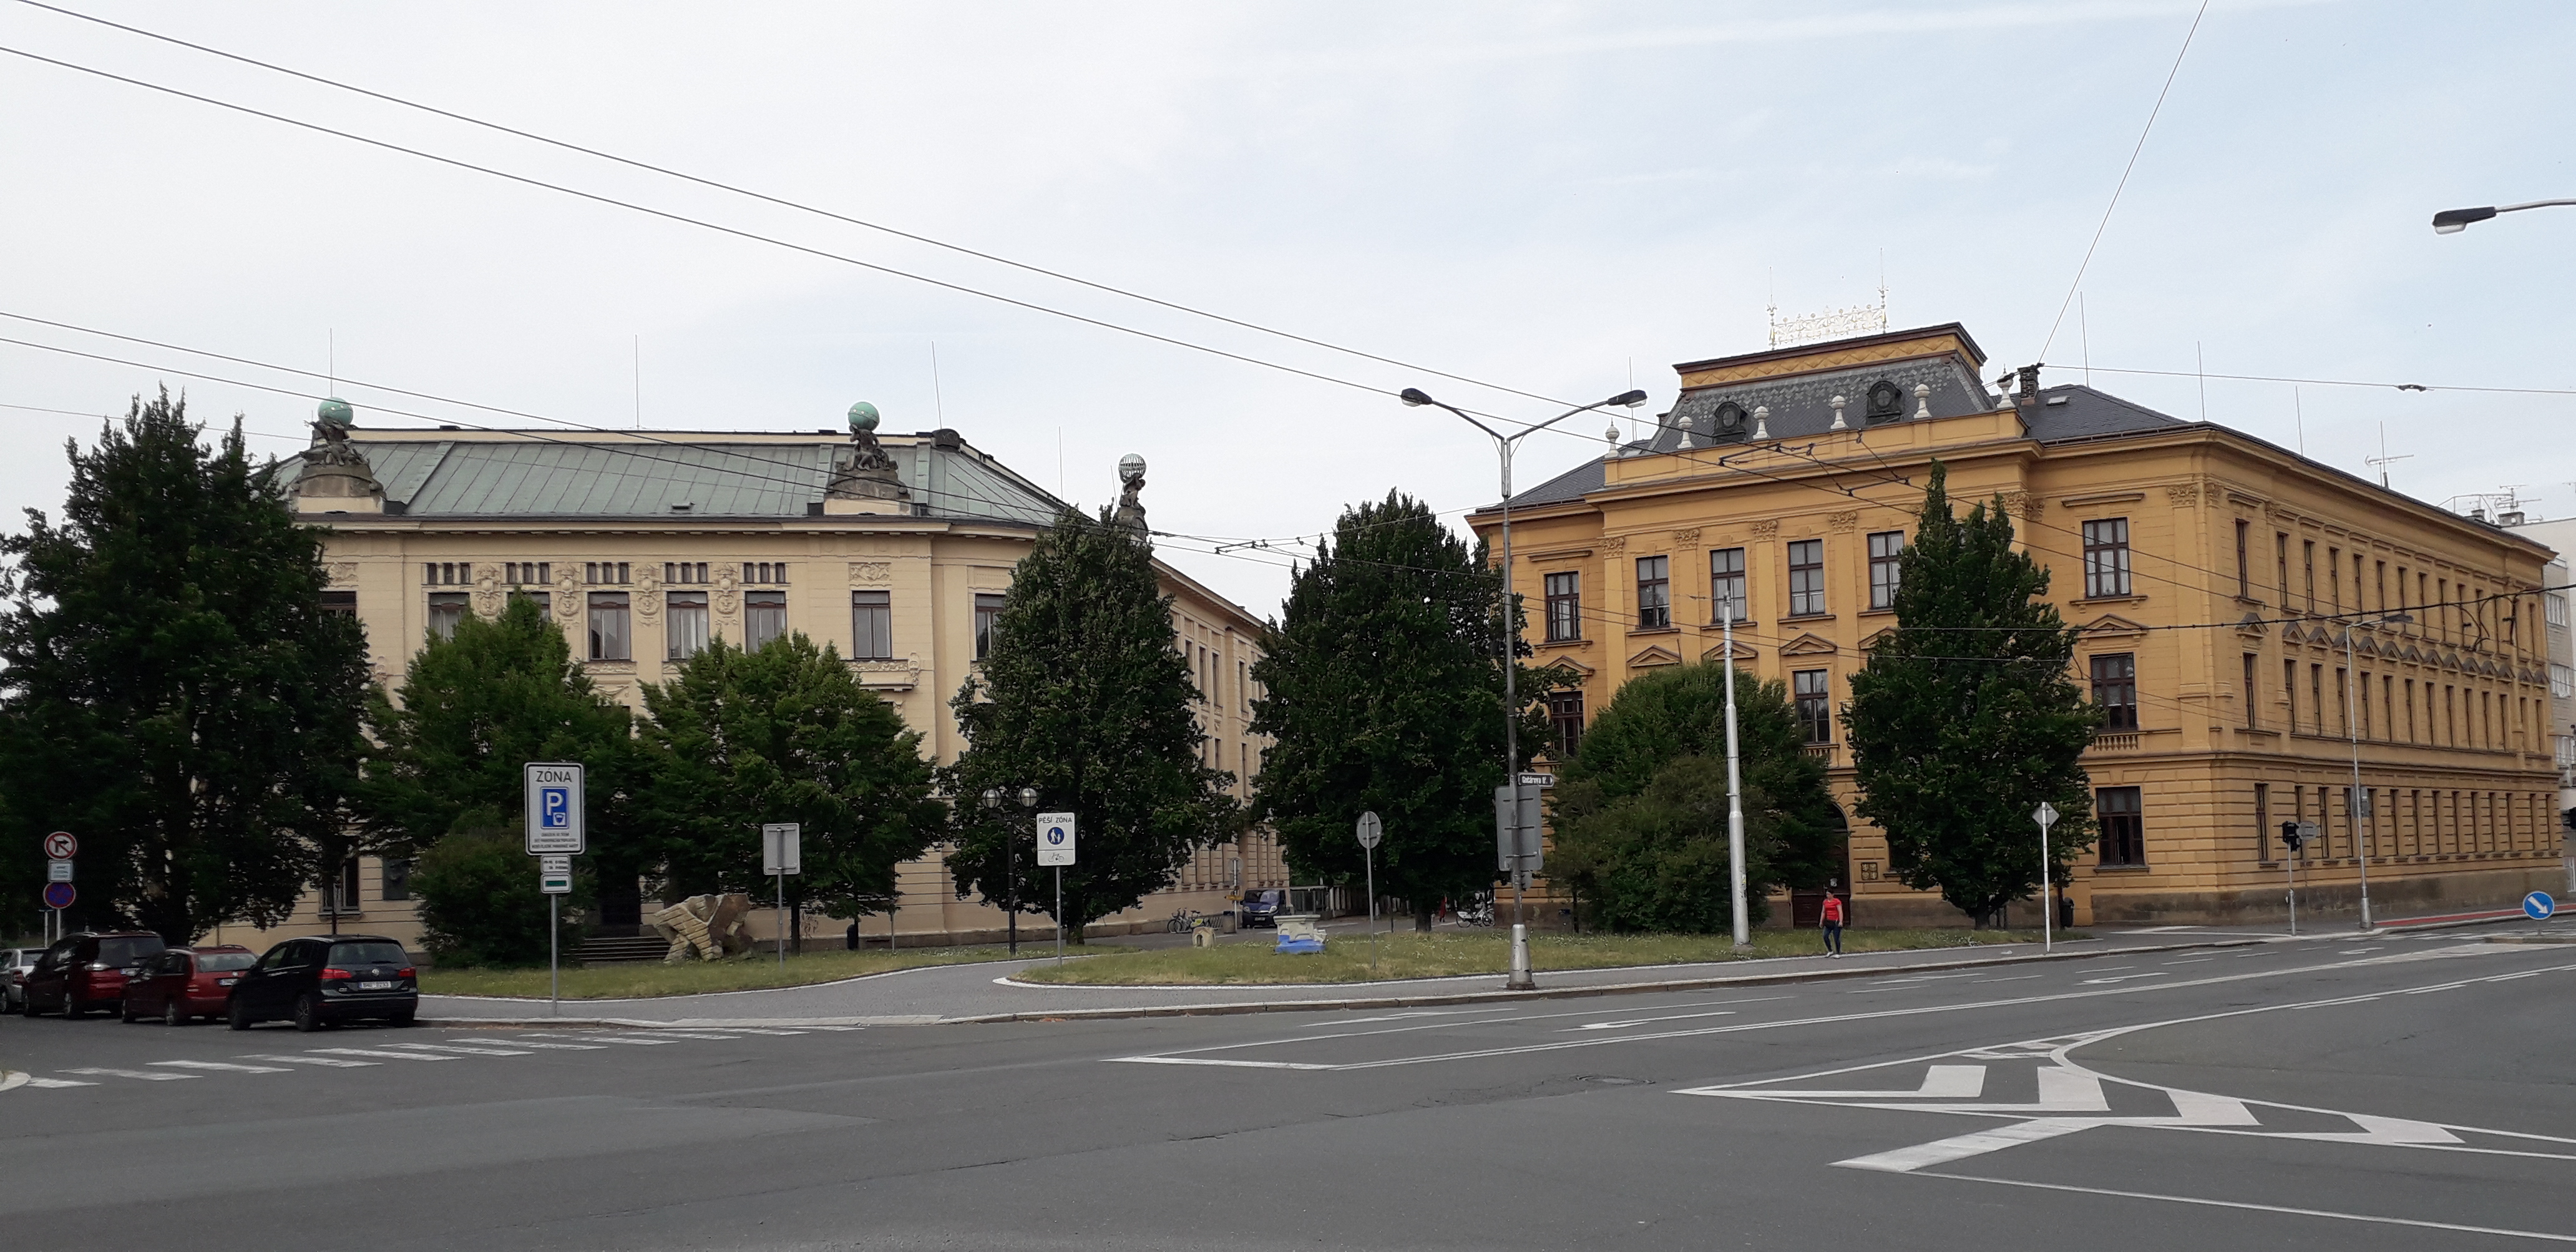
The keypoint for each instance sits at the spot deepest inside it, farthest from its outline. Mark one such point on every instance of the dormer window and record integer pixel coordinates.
(1886, 402)
(1728, 421)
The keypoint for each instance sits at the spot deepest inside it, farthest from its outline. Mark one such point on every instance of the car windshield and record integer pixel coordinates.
(368, 954)
(127, 949)
(223, 962)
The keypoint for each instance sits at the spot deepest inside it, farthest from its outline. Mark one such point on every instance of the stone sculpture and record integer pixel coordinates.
(711, 926)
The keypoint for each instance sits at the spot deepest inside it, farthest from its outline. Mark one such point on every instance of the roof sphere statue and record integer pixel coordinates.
(863, 418)
(337, 412)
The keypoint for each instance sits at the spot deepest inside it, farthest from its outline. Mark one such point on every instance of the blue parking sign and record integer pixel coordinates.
(554, 808)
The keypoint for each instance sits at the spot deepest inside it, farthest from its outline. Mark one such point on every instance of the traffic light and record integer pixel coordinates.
(2290, 835)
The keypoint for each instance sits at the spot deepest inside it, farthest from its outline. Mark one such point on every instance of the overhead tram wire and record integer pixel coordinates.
(799, 206)
(720, 228)
(2341, 382)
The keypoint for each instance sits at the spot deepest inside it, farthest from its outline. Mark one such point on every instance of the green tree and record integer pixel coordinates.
(479, 902)
(1085, 696)
(1965, 718)
(783, 734)
(1640, 813)
(171, 690)
(1383, 692)
(474, 709)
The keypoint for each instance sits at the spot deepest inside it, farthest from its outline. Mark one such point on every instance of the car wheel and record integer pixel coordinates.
(237, 1015)
(308, 1015)
(404, 1018)
(171, 1016)
(125, 1010)
(73, 1009)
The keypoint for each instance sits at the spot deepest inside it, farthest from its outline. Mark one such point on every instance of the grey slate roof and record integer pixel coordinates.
(552, 474)
(1801, 408)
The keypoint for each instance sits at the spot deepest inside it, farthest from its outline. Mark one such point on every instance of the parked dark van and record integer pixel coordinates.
(87, 971)
(322, 981)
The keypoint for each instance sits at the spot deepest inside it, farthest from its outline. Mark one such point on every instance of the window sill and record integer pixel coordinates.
(1654, 630)
(2123, 869)
(1807, 617)
(2123, 599)
(1741, 623)
(617, 665)
(1563, 643)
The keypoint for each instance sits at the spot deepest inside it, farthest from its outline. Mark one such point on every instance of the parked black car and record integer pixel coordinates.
(86, 971)
(322, 981)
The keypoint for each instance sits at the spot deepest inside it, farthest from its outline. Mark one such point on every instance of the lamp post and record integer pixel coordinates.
(1503, 448)
(1028, 798)
(2453, 221)
(2353, 801)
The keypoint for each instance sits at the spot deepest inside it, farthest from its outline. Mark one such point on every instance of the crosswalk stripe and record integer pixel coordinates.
(332, 1062)
(530, 1043)
(748, 1030)
(684, 1034)
(57, 1082)
(1960, 1147)
(444, 1047)
(641, 1043)
(391, 1056)
(145, 1074)
(226, 1066)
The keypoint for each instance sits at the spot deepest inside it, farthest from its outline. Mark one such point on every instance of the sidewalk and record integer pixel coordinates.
(983, 992)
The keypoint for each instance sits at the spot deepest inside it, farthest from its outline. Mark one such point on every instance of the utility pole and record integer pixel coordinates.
(1734, 790)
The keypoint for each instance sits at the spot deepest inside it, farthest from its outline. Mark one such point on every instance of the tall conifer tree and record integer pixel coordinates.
(171, 689)
(1084, 695)
(1383, 690)
(1965, 717)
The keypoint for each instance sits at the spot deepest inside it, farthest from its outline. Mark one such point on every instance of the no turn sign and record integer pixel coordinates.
(61, 846)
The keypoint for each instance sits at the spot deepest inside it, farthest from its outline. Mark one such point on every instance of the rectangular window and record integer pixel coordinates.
(2379, 577)
(1565, 717)
(2251, 721)
(2410, 709)
(2124, 840)
(2562, 680)
(2262, 821)
(1886, 550)
(2334, 578)
(447, 574)
(2115, 690)
(447, 608)
(338, 603)
(2362, 698)
(764, 617)
(2308, 570)
(872, 626)
(609, 640)
(2552, 604)
(1726, 585)
(2440, 605)
(1654, 592)
(1564, 607)
(1807, 578)
(687, 617)
(2281, 558)
(684, 572)
(2244, 574)
(340, 895)
(2289, 694)
(397, 880)
(528, 573)
(606, 573)
(2106, 557)
(988, 618)
(2343, 704)
(772, 573)
(2317, 695)
(1814, 692)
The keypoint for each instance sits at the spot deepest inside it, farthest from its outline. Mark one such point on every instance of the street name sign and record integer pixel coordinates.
(1538, 780)
(2538, 906)
(61, 846)
(782, 848)
(1370, 831)
(59, 895)
(1055, 838)
(555, 808)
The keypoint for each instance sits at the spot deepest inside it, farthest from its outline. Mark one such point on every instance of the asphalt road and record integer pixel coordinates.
(2402, 1093)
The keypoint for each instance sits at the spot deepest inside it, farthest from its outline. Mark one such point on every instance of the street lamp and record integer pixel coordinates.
(2353, 801)
(2453, 221)
(1028, 798)
(1503, 447)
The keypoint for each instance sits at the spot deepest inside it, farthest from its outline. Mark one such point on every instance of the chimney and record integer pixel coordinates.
(2028, 393)
(2509, 519)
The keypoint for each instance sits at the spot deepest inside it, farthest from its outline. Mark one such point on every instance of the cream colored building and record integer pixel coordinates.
(2213, 574)
(896, 550)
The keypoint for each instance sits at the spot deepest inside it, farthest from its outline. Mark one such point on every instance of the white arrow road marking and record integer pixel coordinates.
(2098, 982)
(1960, 1147)
(2542, 1235)
(390, 1056)
(640, 1043)
(145, 1074)
(332, 1062)
(667, 1035)
(530, 1043)
(1940, 1082)
(57, 1082)
(226, 1066)
(754, 1030)
(449, 1047)
(1641, 1021)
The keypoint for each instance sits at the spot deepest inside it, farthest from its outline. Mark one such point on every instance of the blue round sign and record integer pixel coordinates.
(59, 895)
(2538, 906)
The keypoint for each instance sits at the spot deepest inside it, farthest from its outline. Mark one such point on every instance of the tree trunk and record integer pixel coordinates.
(1422, 919)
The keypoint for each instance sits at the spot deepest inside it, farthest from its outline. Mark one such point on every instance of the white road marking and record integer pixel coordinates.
(1940, 1082)
(2097, 982)
(1641, 1021)
(1959, 1147)
(681, 1034)
(2194, 960)
(332, 1062)
(145, 1074)
(641, 1043)
(530, 1043)
(2541, 1235)
(2014, 978)
(1224, 1062)
(754, 1030)
(227, 1066)
(57, 1082)
(387, 1055)
(449, 1047)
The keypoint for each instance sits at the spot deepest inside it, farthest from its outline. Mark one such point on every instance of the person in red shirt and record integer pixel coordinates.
(1832, 920)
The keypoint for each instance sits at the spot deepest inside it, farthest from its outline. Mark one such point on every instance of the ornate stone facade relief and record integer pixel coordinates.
(568, 591)
(1763, 532)
(487, 590)
(1681, 539)
(2179, 493)
(1842, 524)
(343, 573)
(648, 594)
(881, 574)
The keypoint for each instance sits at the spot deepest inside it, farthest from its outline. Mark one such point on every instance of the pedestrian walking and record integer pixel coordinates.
(1831, 918)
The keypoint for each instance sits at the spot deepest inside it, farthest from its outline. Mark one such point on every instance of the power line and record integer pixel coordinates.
(2123, 185)
(2342, 382)
(783, 202)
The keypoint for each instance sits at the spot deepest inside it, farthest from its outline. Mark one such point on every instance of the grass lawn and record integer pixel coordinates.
(652, 978)
(1408, 955)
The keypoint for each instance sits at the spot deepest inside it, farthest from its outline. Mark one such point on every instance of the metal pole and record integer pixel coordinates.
(1011, 871)
(554, 956)
(2290, 861)
(1059, 915)
(1520, 976)
(780, 917)
(2047, 914)
(2352, 801)
(1368, 859)
(1734, 790)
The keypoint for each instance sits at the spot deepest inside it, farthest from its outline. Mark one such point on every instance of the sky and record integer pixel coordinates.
(1529, 206)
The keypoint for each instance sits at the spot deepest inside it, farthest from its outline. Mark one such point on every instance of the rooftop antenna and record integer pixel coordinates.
(2298, 414)
(2085, 329)
(2382, 460)
(2200, 367)
(331, 361)
(939, 405)
(639, 382)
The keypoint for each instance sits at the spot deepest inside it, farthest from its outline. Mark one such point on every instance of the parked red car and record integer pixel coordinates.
(86, 971)
(187, 982)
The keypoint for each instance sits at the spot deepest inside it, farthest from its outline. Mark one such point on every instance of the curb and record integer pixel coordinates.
(1371, 1002)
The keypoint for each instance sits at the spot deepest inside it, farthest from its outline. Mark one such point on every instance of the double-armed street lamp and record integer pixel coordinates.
(2355, 804)
(1028, 798)
(2453, 221)
(1504, 445)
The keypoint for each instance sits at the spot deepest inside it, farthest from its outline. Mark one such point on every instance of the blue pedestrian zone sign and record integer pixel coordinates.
(2538, 906)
